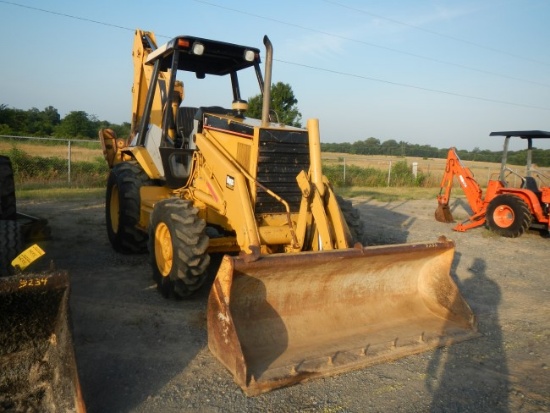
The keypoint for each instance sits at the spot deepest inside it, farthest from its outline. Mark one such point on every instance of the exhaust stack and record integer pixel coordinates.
(267, 83)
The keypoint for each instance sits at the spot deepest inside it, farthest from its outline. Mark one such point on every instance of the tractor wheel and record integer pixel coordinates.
(177, 246)
(11, 245)
(7, 190)
(353, 219)
(122, 208)
(508, 216)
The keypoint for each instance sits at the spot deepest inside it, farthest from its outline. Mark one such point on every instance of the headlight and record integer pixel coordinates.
(198, 48)
(249, 55)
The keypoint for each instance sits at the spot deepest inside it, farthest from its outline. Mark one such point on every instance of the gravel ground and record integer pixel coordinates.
(138, 352)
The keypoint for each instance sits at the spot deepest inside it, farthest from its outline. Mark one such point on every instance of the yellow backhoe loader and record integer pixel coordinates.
(296, 295)
(37, 363)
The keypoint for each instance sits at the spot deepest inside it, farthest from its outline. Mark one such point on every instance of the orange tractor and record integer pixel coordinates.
(506, 210)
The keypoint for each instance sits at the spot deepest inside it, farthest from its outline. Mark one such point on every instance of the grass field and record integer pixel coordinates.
(67, 194)
(80, 151)
(432, 168)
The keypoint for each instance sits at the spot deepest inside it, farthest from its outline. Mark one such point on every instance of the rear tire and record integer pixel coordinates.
(508, 215)
(122, 208)
(353, 219)
(177, 247)
(11, 245)
(7, 190)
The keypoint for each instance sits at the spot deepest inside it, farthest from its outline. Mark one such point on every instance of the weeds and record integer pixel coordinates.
(33, 172)
(400, 175)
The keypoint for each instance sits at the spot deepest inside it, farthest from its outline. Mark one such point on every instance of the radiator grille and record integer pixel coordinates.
(283, 154)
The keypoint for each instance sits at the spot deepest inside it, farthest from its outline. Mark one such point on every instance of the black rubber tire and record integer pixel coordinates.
(11, 245)
(122, 208)
(7, 190)
(353, 219)
(178, 248)
(519, 214)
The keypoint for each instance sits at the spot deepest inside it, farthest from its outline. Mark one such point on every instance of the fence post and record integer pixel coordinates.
(344, 171)
(69, 163)
(389, 174)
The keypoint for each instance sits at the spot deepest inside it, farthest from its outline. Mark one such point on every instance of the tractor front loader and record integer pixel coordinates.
(506, 210)
(296, 295)
(38, 370)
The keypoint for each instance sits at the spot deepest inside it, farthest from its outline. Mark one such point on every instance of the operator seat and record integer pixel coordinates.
(177, 160)
(530, 183)
(184, 125)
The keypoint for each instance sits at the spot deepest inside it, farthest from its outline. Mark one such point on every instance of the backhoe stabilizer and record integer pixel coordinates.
(288, 318)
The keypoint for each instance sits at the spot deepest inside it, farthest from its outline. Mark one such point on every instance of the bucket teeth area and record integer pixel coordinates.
(443, 214)
(293, 317)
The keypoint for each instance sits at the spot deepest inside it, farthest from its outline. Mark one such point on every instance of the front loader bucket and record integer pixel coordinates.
(37, 363)
(443, 213)
(288, 318)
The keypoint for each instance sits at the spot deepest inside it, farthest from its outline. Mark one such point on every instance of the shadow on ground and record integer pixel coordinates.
(462, 380)
(383, 225)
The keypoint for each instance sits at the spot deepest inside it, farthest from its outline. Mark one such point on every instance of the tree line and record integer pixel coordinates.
(373, 146)
(81, 125)
(48, 122)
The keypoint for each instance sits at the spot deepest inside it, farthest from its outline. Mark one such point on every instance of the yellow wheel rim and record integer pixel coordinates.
(114, 209)
(164, 254)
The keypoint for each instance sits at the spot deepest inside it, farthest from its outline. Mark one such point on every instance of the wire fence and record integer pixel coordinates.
(52, 162)
(44, 162)
(427, 172)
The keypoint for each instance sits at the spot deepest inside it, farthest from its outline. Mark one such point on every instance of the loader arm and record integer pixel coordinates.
(455, 167)
(220, 182)
(222, 185)
(331, 230)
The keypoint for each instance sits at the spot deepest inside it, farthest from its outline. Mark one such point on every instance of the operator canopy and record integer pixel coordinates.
(204, 56)
(527, 134)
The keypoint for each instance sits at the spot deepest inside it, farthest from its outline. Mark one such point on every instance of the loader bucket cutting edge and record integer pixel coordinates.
(288, 318)
(443, 214)
(37, 362)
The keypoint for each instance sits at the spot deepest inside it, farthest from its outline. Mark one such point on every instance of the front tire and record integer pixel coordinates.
(122, 208)
(352, 218)
(508, 215)
(177, 247)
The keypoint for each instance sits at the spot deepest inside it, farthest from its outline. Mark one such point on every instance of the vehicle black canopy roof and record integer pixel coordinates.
(526, 134)
(217, 58)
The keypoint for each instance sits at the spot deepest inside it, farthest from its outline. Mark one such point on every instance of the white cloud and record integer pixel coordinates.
(316, 45)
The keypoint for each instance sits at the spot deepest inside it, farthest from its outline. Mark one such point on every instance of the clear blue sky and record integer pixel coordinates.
(435, 72)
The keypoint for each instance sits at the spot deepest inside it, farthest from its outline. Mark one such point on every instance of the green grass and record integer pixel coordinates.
(401, 175)
(60, 194)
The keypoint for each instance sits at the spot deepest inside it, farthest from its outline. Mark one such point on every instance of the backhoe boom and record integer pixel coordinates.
(472, 190)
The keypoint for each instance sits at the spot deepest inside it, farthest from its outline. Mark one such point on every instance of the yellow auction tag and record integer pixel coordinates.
(27, 257)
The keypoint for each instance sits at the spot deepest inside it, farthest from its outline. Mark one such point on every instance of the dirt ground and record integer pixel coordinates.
(138, 352)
